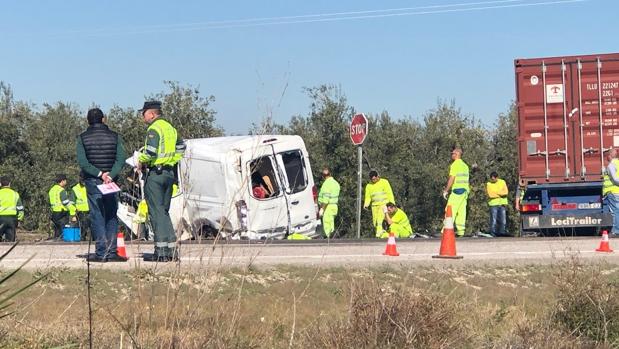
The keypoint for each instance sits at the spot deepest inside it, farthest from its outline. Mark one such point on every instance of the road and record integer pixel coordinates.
(506, 251)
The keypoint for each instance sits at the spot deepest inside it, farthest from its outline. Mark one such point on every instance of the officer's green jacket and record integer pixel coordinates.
(11, 204)
(162, 145)
(60, 201)
(80, 197)
(329, 192)
(609, 187)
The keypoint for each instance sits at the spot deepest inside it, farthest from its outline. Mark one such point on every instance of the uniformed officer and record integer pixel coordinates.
(80, 197)
(11, 210)
(162, 151)
(61, 205)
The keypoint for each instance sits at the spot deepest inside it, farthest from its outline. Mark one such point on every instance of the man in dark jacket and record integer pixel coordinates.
(101, 156)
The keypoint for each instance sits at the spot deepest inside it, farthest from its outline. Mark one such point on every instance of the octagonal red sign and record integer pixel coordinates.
(358, 129)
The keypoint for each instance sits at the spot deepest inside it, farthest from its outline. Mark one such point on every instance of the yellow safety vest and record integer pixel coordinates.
(81, 198)
(609, 186)
(57, 204)
(499, 188)
(10, 204)
(329, 192)
(166, 150)
(460, 170)
(378, 193)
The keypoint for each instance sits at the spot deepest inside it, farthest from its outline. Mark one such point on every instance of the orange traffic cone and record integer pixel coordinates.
(391, 250)
(604, 244)
(121, 251)
(448, 241)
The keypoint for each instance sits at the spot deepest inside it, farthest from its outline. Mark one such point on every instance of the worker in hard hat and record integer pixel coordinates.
(327, 199)
(377, 194)
(397, 222)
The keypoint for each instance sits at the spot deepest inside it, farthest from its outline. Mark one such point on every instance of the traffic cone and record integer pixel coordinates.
(604, 244)
(391, 250)
(448, 241)
(121, 251)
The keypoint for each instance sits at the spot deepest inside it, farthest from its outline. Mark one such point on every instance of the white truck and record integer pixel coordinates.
(242, 187)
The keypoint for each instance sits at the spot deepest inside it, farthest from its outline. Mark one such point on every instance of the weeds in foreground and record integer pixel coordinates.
(253, 308)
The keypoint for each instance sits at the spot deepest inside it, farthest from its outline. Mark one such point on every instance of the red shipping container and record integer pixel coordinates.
(568, 117)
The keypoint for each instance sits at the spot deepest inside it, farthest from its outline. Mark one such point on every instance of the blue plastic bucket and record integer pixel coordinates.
(71, 234)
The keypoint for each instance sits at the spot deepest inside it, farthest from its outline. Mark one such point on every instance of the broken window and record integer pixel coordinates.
(263, 181)
(294, 165)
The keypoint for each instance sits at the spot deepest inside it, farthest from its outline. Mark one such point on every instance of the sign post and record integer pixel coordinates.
(358, 132)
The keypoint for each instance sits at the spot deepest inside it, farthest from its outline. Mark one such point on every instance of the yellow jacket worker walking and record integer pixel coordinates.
(457, 189)
(328, 199)
(377, 194)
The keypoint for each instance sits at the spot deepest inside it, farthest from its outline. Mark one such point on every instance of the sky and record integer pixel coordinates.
(256, 57)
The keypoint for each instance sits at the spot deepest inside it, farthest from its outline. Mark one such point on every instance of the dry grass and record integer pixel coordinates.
(290, 307)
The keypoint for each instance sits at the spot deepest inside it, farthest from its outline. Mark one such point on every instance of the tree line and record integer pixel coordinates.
(36, 143)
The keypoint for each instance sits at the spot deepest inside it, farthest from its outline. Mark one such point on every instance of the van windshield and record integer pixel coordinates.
(263, 182)
(294, 165)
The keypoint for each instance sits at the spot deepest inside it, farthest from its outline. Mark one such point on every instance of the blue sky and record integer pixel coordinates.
(116, 52)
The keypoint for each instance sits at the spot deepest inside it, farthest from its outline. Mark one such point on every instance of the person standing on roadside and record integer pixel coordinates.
(497, 191)
(11, 210)
(100, 155)
(327, 199)
(456, 191)
(610, 188)
(163, 149)
(377, 194)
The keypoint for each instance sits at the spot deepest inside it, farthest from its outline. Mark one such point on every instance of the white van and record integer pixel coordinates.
(253, 187)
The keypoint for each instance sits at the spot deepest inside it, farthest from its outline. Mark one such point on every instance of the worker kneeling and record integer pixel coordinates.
(396, 222)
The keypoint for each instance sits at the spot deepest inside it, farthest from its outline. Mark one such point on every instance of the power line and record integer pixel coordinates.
(326, 17)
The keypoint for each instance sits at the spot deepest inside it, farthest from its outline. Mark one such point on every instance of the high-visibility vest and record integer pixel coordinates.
(10, 203)
(57, 204)
(329, 192)
(498, 188)
(460, 170)
(378, 193)
(166, 150)
(609, 186)
(81, 198)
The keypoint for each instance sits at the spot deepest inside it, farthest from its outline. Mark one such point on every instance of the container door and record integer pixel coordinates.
(597, 84)
(546, 135)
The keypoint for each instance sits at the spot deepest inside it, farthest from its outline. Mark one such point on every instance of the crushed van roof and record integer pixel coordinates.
(218, 145)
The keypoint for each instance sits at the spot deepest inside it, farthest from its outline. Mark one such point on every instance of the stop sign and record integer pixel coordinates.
(358, 129)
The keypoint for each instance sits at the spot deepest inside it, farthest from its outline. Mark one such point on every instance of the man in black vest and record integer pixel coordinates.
(101, 156)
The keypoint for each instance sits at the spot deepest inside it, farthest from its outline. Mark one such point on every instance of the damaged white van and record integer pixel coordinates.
(243, 187)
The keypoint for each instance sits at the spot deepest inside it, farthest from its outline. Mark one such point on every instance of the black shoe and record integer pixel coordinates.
(116, 258)
(96, 259)
(155, 258)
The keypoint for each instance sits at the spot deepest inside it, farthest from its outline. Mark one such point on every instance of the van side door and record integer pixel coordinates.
(298, 184)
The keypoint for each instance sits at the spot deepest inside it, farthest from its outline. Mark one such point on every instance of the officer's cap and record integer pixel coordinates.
(150, 105)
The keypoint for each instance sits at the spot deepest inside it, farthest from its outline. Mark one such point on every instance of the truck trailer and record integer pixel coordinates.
(568, 119)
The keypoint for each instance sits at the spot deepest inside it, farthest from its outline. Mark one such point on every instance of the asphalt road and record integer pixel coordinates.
(502, 251)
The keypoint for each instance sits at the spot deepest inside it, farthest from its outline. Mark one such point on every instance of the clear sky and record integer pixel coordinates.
(400, 56)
